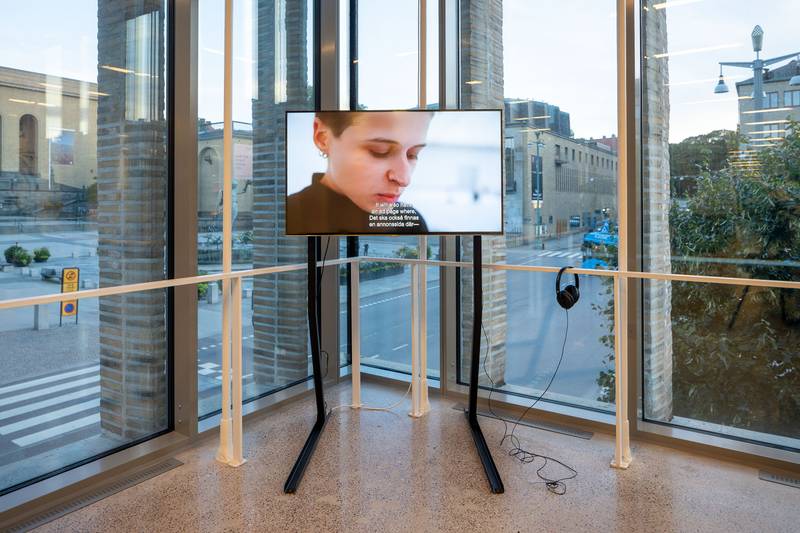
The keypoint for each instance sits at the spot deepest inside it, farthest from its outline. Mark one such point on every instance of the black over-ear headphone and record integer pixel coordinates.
(569, 295)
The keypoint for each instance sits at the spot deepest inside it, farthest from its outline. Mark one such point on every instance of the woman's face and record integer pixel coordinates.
(371, 162)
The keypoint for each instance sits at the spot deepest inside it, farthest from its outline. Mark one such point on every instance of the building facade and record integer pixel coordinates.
(48, 145)
(537, 115)
(48, 127)
(209, 172)
(780, 105)
(556, 184)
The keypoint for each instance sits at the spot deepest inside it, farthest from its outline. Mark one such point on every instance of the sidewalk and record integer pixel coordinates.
(29, 353)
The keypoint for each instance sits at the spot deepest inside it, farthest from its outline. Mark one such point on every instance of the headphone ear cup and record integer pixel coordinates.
(565, 299)
(574, 293)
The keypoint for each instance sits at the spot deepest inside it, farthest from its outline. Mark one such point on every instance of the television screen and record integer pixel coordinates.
(394, 172)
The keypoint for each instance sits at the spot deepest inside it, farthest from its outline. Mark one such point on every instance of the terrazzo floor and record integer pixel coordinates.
(378, 471)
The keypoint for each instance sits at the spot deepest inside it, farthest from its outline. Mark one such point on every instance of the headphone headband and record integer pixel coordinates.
(558, 279)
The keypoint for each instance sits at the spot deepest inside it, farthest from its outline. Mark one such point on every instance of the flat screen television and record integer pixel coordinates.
(394, 172)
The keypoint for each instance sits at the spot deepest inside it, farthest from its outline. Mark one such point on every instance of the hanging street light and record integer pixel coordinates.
(721, 87)
(757, 66)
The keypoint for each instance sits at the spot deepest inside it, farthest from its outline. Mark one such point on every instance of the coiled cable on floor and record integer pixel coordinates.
(555, 485)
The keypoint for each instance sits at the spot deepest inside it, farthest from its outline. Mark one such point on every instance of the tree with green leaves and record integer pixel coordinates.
(736, 360)
(702, 152)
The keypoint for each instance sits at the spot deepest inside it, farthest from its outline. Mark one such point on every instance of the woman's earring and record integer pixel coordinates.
(323, 154)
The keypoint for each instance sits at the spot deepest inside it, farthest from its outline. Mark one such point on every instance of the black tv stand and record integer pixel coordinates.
(296, 474)
(307, 452)
(485, 455)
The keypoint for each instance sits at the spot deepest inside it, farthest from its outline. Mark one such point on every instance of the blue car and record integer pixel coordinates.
(599, 248)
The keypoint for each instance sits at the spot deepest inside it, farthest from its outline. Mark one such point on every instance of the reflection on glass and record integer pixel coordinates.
(388, 54)
(385, 288)
(524, 353)
(272, 73)
(385, 293)
(561, 165)
(720, 190)
(733, 369)
(83, 185)
(64, 398)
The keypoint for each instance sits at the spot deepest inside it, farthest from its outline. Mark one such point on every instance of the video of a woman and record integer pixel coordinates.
(393, 172)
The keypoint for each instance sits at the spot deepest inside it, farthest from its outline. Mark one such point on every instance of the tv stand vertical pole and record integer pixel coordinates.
(485, 455)
(313, 328)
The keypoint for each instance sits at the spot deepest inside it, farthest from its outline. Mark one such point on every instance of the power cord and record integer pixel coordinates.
(369, 408)
(364, 407)
(319, 298)
(558, 485)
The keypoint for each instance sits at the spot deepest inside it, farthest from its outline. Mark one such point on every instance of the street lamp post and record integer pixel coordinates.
(757, 66)
(536, 200)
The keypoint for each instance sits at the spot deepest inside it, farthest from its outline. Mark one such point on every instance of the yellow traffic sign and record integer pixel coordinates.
(70, 277)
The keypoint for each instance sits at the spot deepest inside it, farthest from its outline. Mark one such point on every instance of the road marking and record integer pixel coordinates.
(399, 347)
(405, 294)
(48, 379)
(55, 431)
(56, 388)
(48, 417)
(385, 300)
(48, 403)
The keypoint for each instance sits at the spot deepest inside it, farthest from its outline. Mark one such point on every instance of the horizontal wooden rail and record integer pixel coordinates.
(193, 280)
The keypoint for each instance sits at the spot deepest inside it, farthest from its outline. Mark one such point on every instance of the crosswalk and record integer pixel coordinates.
(567, 254)
(59, 404)
(64, 407)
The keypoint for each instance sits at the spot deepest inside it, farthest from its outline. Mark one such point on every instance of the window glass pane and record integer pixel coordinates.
(83, 197)
(560, 209)
(388, 49)
(385, 292)
(733, 369)
(70, 392)
(388, 78)
(272, 72)
(720, 189)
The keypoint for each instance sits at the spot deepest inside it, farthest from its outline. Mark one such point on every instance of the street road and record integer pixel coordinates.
(60, 409)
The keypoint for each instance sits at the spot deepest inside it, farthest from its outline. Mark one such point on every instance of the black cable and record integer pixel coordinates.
(556, 486)
(319, 298)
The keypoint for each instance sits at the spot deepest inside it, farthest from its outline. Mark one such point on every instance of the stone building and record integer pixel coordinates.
(556, 184)
(48, 145)
(209, 171)
(48, 127)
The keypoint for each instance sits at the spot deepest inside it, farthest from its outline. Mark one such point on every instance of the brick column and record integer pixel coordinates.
(657, 310)
(131, 219)
(280, 352)
(482, 59)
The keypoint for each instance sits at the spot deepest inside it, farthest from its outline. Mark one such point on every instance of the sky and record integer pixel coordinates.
(559, 51)
(725, 27)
